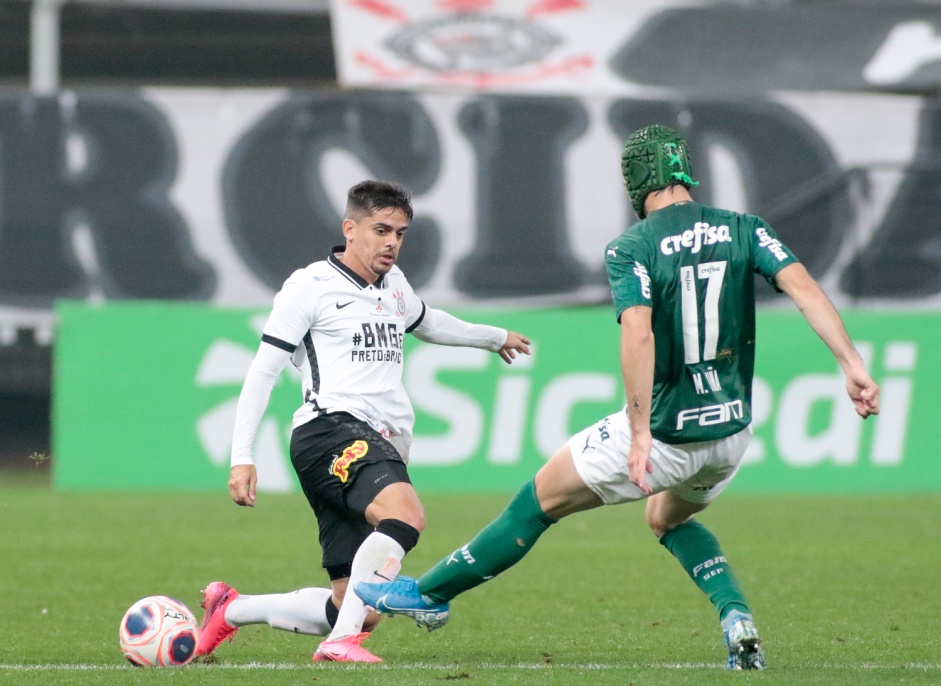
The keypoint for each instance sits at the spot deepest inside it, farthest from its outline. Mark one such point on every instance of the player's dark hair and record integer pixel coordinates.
(367, 197)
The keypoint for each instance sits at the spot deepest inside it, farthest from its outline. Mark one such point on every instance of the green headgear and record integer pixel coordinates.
(654, 157)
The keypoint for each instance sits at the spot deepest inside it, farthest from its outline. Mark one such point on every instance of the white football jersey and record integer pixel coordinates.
(346, 336)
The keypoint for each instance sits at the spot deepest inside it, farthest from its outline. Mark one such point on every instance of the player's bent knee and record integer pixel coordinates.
(657, 528)
(416, 519)
(656, 517)
(409, 516)
(402, 533)
(397, 501)
(660, 520)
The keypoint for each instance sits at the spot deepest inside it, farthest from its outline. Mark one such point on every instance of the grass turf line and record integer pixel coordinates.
(842, 587)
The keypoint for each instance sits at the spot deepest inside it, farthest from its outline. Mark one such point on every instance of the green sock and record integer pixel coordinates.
(498, 546)
(698, 551)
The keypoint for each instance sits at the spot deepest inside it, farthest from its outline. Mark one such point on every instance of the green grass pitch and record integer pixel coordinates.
(844, 589)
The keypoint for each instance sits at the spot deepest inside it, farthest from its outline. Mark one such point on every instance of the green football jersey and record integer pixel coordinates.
(694, 266)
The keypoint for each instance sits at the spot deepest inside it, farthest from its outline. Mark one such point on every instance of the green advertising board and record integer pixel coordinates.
(145, 397)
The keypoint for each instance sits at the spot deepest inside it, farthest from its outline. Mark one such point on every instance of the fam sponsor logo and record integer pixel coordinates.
(340, 467)
(693, 239)
(772, 244)
(711, 414)
(707, 565)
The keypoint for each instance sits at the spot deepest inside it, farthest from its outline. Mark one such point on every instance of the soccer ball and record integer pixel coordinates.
(159, 631)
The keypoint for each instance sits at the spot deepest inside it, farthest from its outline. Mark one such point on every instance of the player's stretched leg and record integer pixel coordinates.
(498, 546)
(305, 611)
(699, 553)
(555, 492)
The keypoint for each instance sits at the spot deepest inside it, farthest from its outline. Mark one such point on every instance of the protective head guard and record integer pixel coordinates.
(654, 157)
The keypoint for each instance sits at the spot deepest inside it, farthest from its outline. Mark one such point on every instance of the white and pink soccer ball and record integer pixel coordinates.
(159, 631)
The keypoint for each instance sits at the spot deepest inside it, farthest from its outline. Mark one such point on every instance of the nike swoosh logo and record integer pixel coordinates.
(404, 610)
(340, 307)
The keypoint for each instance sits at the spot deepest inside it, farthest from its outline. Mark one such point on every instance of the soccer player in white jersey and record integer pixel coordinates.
(341, 322)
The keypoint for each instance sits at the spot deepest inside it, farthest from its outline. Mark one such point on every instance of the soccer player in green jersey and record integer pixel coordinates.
(683, 289)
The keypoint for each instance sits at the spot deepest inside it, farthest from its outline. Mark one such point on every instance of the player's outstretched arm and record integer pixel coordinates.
(824, 319)
(441, 328)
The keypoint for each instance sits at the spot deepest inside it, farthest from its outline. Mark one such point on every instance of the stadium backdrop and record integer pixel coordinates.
(156, 412)
(214, 195)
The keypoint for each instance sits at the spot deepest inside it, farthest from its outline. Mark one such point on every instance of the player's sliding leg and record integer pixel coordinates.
(402, 597)
(498, 546)
(305, 611)
(699, 553)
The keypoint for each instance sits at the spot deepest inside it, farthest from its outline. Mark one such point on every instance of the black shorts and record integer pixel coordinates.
(342, 463)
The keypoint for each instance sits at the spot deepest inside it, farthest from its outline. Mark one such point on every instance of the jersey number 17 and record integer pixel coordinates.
(713, 273)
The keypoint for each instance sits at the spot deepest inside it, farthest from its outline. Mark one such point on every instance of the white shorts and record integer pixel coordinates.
(696, 472)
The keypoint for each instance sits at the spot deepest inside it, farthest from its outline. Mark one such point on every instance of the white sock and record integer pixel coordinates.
(303, 611)
(378, 553)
